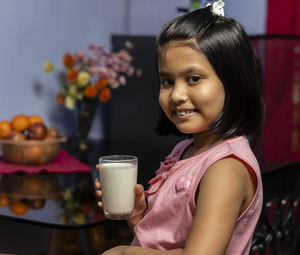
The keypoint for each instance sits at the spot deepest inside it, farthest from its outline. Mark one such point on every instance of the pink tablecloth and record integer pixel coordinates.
(63, 163)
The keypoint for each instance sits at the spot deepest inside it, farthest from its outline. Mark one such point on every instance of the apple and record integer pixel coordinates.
(16, 136)
(36, 203)
(37, 131)
(53, 132)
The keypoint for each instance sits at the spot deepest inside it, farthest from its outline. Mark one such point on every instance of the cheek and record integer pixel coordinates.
(211, 98)
(163, 99)
(210, 92)
(164, 103)
(220, 99)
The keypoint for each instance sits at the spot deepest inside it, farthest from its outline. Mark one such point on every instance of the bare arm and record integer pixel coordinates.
(223, 192)
(134, 250)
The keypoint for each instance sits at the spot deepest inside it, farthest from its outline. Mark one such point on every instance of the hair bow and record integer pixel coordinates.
(217, 8)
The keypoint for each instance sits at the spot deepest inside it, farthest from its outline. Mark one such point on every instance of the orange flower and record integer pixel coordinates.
(90, 91)
(72, 75)
(104, 95)
(60, 98)
(68, 61)
(101, 83)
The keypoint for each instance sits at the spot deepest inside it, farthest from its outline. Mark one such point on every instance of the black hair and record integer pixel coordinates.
(226, 46)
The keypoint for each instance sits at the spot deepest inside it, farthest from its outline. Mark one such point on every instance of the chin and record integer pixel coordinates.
(187, 132)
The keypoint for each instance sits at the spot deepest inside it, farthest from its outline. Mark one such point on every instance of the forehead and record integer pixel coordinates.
(192, 44)
(182, 54)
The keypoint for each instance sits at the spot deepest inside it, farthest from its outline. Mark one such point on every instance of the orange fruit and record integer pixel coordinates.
(35, 119)
(20, 122)
(33, 153)
(3, 200)
(5, 128)
(18, 208)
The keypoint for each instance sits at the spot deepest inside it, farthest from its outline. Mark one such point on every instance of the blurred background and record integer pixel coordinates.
(34, 31)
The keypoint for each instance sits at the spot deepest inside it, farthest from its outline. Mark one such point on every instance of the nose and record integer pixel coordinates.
(178, 93)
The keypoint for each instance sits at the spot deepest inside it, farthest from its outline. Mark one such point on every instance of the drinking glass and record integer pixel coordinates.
(118, 177)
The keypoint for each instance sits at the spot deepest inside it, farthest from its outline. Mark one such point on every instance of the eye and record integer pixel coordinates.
(166, 82)
(194, 79)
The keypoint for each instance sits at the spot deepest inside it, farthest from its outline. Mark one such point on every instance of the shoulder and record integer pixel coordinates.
(234, 154)
(225, 181)
(227, 171)
(228, 159)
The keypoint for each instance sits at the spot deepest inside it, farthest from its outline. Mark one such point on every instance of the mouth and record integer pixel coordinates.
(184, 113)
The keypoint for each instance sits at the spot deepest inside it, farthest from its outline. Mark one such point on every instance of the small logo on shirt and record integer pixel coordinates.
(182, 184)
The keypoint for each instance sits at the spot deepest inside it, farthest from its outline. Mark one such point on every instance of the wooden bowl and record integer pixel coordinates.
(31, 152)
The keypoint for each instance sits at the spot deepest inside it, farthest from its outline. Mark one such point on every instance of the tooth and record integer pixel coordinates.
(181, 113)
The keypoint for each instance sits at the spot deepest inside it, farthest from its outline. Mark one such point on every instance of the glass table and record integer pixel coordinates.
(64, 202)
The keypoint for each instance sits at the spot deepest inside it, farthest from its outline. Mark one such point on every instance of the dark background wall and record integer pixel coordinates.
(133, 113)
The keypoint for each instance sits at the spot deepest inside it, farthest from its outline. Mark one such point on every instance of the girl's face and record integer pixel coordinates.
(191, 94)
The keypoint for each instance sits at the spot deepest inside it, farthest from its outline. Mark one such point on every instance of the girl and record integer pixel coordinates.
(206, 197)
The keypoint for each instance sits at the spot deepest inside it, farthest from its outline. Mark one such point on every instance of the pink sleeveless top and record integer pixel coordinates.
(171, 198)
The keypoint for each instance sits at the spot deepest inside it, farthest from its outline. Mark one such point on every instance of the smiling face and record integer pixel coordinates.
(191, 94)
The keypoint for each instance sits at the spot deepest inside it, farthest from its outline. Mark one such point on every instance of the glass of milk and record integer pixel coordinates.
(118, 176)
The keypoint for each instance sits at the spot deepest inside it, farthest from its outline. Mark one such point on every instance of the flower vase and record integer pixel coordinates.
(86, 110)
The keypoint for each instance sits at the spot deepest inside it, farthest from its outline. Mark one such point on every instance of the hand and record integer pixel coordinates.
(119, 250)
(98, 187)
(140, 205)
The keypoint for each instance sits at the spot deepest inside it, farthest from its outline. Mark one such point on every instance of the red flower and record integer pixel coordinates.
(68, 61)
(72, 75)
(101, 83)
(60, 98)
(104, 95)
(90, 91)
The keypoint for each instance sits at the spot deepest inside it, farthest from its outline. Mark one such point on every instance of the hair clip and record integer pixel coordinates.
(217, 8)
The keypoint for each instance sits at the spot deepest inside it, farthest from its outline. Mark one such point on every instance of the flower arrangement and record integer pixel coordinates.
(78, 209)
(92, 76)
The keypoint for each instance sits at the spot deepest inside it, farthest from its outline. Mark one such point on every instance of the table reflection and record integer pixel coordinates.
(54, 200)
(64, 203)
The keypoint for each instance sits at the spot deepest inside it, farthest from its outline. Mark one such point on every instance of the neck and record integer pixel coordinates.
(202, 142)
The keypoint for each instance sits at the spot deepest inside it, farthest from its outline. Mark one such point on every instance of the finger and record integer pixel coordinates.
(140, 197)
(139, 189)
(99, 193)
(100, 204)
(97, 167)
(97, 184)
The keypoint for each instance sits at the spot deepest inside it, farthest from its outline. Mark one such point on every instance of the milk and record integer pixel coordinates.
(117, 184)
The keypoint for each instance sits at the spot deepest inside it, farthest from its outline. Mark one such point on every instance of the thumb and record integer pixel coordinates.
(139, 196)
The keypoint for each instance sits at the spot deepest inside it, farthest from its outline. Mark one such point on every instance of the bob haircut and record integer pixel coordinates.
(225, 44)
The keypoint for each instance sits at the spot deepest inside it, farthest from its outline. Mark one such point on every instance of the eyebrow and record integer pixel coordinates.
(184, 72)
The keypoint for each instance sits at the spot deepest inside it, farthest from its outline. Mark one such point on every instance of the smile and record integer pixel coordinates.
(183, 113)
